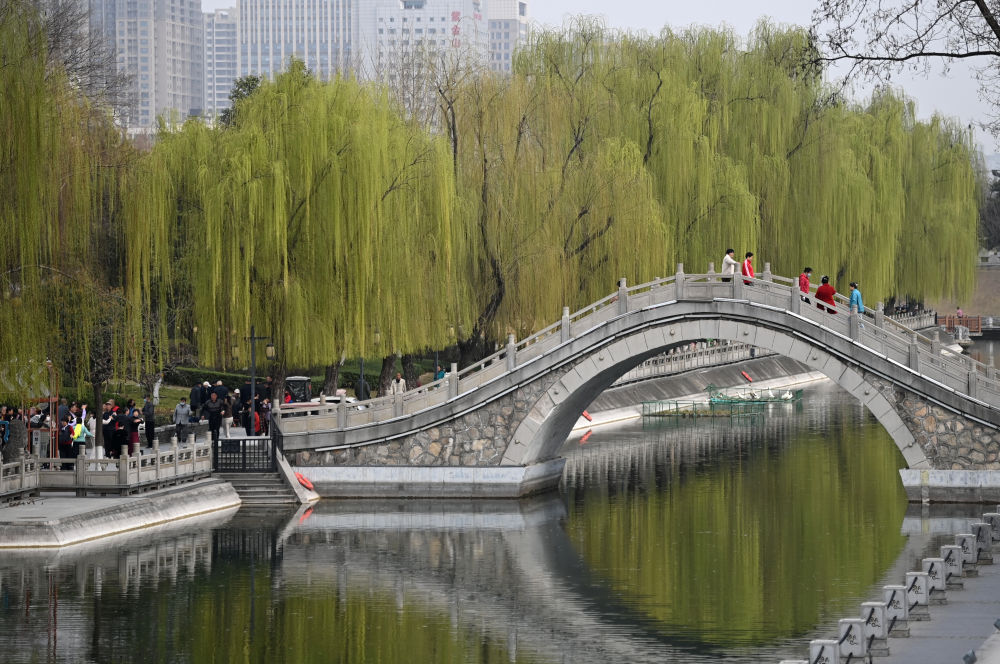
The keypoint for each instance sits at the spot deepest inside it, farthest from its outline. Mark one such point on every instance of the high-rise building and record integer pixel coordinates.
(318, 32)
(221, 59)
(508, 28)
(159, 44)
(390, 31)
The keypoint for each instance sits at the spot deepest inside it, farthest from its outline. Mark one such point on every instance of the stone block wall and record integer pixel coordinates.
(478, 438)
(950, 440)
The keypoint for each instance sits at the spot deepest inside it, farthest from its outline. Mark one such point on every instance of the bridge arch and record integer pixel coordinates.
(513, 410)
(551, 419)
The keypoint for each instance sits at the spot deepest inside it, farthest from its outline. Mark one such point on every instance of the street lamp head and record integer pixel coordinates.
(269, 351)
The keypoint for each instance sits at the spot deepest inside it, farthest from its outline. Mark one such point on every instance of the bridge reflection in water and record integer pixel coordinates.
(694, 544)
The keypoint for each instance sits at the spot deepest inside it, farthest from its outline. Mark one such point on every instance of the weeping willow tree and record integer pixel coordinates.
(60, 264)
(611, 155)
(321, 217)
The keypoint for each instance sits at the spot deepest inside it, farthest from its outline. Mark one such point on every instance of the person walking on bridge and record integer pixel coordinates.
(825, 294)
(397, 385)
(804, 284)
(182, 416)
(747, 268)
(856, 303)
(729, 265)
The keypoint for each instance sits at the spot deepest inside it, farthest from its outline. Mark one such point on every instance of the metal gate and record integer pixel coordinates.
(256, 454)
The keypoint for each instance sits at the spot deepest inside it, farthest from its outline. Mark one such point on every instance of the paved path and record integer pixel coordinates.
(964, 624)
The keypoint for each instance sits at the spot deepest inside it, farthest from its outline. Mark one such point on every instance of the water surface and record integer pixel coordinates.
(705, 541)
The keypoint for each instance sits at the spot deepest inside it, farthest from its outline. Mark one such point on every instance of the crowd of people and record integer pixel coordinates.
(224, 409)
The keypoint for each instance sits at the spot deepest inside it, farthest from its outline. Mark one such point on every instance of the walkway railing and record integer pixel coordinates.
(19, 478)
(973, 323)
(128, 474)
(873, 330)
(915, 321)
(678, 360)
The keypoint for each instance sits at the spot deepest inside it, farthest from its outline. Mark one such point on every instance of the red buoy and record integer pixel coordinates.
(303, 481)
(587, 415)
(747, 376)
(586, 436)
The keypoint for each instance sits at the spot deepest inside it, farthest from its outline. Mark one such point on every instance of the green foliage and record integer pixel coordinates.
(321, 217)
(60, 161)
(329, 221)
(243, 87)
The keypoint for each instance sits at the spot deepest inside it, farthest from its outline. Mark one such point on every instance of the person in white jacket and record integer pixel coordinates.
(397, 385)
(729, 265)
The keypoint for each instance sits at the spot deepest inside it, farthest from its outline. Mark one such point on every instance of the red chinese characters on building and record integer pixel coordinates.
(456, 17)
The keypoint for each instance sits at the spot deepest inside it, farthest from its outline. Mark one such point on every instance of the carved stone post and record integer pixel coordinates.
(512, 347)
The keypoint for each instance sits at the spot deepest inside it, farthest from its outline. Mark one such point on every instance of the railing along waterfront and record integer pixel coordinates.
(127, 474)
(19, 478)
(704, 355)
(872, 329)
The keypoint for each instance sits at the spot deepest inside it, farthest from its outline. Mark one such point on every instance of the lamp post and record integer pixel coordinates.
(269, 353)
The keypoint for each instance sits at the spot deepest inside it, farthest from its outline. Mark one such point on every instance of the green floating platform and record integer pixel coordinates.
(696, 409)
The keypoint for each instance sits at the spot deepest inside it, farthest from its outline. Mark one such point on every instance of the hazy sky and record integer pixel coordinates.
(954, 96)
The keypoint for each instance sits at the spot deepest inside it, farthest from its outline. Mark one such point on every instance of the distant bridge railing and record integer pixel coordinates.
(974, 324)
(872, 329)
(920, 321)
(703, 355)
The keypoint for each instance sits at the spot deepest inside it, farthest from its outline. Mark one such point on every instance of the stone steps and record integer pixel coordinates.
(260, 488)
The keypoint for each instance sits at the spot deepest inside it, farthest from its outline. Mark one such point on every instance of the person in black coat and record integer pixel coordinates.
(149, 417)
(195, 397)
(212, 410)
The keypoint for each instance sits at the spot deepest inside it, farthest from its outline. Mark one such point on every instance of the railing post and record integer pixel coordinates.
(914, 352)
(973, 383)
(879, 315)
(854, 325)
(397, 405)
(564, 327)
(622, 296)
(512, 347)
(679, 281)
(123, 459)
(711, 267)
(177, 455)
(936, 343)
(453, 381)
(737, 287)
(81, 466)
(342, 414)
(156, 454)
(766, 274)
(794, 300)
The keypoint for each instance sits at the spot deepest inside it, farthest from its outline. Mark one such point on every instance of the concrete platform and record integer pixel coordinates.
(433, 481)
(62, 519)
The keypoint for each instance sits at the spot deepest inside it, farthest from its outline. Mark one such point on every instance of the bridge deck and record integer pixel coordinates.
(923, 357)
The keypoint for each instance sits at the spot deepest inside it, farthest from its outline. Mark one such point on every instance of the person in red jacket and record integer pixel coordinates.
(747, 268)
(804, 284)
(825, 294)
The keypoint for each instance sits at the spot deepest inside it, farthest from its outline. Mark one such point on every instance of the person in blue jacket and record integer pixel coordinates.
(856, 303)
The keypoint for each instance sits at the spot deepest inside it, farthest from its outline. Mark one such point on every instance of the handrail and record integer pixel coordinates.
(874, 330)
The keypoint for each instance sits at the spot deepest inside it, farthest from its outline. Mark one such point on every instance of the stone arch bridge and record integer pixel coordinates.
(495, 427)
